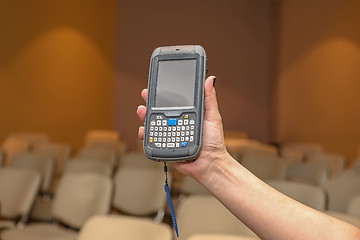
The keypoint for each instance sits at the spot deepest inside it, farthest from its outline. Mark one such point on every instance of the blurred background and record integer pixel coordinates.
(288, 78)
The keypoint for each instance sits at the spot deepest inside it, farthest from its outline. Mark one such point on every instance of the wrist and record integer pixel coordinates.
(216, 169)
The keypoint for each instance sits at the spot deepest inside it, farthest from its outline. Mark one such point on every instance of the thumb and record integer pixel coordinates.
(211, 106)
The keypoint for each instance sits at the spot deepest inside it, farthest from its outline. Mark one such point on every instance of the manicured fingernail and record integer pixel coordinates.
(214, 82)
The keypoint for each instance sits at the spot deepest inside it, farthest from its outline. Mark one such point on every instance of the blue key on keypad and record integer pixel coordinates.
(172, 122)
(183, 144)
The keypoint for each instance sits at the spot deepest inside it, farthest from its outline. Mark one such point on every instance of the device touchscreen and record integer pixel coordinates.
(176, 83)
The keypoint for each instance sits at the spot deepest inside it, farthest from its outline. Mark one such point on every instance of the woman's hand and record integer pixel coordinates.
(213, 145)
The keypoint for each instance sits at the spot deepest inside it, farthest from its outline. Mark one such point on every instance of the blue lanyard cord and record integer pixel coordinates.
(167, 190)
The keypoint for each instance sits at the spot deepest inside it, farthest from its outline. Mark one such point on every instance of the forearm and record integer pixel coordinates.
(270, 214)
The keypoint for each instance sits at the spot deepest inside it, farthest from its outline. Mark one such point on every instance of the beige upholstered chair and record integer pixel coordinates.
(59, 151)
(307, 173)
(34, 138)
(307, 149)
(341, 190)
(139, 160)
(139, 191)
(18, 190)
(292, 155)
(13, 146)
(100, 154)
(90, 165)
(119, 147)
(42, 208)
(40, 163)
(308, 195)
(205, 214)
(218, 237)
(333, 162)
(262, 153)
(238, 146)
(78, 198)
(266, 167)
(124, 227)
(235, 134)
(354, 206)
(99, 135)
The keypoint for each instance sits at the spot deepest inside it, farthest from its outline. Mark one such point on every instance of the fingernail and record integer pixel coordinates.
(214, 82)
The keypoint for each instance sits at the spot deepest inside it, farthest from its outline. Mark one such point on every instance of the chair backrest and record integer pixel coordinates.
(88, 166)
(307, 149)
(139, 160)
(341, 190)
(312, 196)
(59, 151)
(205, 214)
(354, 206)
(259, 153)
(13, 146)
(265, 168)
(219, 237)
(292, 155)
(189, 186)
(18, 191)
(240, 145)
(334, 162)
(101, 154)
(124, 227)
(139, 191)
(119, 148)
(94, 136)
(307, 173)
(34, 138)
(235, 134)
(81, 196)
(40, 163)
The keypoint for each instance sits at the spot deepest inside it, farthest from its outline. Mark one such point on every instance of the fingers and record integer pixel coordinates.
(141, 112)
(141, 133)
(211, 106)
(144, 94)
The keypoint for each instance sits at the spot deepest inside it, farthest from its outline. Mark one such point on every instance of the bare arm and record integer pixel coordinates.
(270, 214)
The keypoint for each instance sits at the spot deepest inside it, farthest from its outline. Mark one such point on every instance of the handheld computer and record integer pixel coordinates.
(175, 103)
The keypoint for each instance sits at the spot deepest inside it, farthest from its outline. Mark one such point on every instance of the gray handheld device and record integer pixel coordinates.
(175, 103)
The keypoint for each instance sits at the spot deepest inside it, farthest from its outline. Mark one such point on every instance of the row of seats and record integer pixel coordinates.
(79, 196)
(39, 142)
(185, 186)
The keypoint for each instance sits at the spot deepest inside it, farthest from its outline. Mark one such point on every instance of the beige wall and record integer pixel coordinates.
(237, 37)
(319, 74)
(57, 67)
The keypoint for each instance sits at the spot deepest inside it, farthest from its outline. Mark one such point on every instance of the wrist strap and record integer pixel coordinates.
(167, 190)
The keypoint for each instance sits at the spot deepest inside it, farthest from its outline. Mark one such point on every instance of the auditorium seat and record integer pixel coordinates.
(124, 227)
(78, 198)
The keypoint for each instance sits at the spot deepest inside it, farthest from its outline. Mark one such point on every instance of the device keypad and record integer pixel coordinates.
(172, 133)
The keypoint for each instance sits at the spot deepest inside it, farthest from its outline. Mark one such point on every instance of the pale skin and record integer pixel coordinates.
(270, 214)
